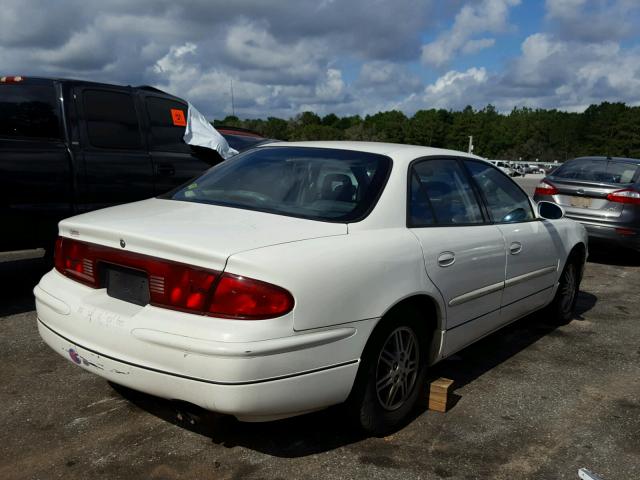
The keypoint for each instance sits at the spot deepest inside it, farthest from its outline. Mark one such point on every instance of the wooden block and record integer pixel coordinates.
(439, 394)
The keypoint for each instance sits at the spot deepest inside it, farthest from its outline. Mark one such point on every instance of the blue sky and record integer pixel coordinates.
(341, 56)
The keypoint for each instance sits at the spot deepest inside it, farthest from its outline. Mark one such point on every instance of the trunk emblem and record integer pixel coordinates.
(580, 191)
(122, 243)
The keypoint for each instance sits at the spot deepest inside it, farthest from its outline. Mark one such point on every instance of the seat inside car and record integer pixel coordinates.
(337, 186)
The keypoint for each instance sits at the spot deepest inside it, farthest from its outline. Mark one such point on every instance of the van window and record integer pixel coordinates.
(29, 111)
(167, 130)
(111, 119)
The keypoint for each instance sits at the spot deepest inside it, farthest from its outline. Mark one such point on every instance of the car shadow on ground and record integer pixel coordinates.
(329, 429)
(17, 279)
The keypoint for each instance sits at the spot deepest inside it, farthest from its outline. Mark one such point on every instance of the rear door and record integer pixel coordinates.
(174, 162)
(532, 244)
(583, 185)
(35, 168)
(117, 166)
(464, 254)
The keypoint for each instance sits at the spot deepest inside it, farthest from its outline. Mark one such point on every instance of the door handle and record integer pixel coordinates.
(446, 259)
(166, 169)
(515, 248)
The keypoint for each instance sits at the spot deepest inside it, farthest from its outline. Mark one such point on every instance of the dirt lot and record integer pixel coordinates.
(534, 402)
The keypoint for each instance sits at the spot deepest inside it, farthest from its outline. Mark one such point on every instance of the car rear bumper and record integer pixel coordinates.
(621, 235)
(248, 375)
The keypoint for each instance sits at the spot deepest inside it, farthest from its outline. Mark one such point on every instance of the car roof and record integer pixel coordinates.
(398, 151)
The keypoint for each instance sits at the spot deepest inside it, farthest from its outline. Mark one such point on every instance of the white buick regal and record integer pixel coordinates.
(296, 276)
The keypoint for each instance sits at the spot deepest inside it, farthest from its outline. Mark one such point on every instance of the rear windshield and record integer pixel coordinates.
(28, 111)
(314, 183)
(598, 170)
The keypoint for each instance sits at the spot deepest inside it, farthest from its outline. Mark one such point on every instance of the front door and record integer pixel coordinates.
(174, 162)
(464, 255)
(532, 259)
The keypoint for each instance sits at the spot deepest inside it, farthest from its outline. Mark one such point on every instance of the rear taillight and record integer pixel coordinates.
(11, 79)
(627, 195)
(177, 286)
(242, 297)
(545, 188)
(74, 260)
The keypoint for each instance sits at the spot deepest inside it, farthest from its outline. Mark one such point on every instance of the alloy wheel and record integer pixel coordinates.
(397, 368)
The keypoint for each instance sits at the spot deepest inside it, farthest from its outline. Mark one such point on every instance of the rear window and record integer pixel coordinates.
(314, 183)
(598, 170)
(29, 111)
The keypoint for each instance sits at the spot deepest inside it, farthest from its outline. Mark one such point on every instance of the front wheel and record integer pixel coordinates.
(564, 303)
(392, 375)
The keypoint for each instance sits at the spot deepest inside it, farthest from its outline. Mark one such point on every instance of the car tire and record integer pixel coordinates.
(392, 374)
(563, 305)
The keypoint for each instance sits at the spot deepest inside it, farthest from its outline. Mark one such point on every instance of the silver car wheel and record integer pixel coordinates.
(397, 368)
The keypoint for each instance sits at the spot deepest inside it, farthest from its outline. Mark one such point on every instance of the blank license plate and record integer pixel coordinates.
(126, 284)
(581, 202)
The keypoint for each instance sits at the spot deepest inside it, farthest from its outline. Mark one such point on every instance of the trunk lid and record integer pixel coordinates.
(192, 233)
(587, 199)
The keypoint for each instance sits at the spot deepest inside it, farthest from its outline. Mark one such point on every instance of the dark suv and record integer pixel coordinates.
(602, 193)
(69, 146)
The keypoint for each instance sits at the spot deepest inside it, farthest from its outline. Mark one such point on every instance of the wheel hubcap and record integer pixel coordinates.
(397, 368)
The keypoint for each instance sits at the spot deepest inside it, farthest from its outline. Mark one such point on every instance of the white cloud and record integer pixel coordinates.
(455, 89)
(474, 46)
(593, 21)
(486, 16)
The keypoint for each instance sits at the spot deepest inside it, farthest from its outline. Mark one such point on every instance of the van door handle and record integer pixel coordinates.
(446, 259)
(515, 248)
(166, 169)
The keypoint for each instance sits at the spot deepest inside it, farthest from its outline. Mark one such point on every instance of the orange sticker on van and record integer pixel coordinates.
(178, 117)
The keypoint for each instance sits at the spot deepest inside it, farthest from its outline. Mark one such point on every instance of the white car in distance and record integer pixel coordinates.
(296, 276)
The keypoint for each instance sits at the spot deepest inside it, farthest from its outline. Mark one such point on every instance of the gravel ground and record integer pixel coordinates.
(534, 401)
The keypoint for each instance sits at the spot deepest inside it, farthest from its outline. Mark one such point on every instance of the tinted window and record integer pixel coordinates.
(28, 111)
(315, 183)
(505, 201)
(166, 131)
(111, 119)
(444, 186)
(598, 170)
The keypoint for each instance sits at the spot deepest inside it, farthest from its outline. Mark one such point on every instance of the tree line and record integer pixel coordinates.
(524, 133)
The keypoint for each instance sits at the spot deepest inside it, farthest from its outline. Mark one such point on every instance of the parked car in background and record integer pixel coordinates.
(242, 139)
(602, 193)
(297, 276)
(69, 146)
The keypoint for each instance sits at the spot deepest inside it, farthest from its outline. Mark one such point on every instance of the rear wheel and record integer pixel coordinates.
(392, 374)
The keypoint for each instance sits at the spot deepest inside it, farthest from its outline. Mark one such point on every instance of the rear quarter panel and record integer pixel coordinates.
(342, 279)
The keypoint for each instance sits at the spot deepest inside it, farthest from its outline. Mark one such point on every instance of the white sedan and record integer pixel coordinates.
(296, 276)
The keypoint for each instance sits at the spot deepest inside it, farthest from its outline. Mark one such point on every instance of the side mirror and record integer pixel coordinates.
(550, 210)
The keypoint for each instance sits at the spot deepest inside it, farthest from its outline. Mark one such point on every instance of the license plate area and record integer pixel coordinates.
(580, 202)
(125, 284)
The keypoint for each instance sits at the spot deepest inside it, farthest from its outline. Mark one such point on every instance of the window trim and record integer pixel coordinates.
(485, 218)
(484, 200)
